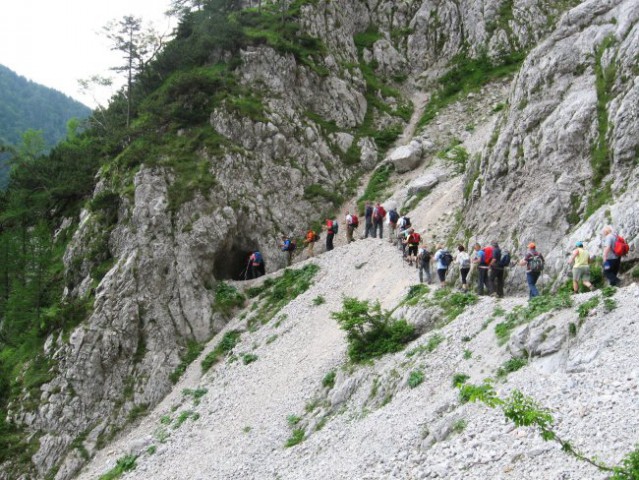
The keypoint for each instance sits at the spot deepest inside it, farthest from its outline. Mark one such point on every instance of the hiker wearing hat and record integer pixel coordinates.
(580, 259)
(534, 262)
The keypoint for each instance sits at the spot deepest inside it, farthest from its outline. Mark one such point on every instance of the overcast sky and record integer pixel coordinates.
(55, 43)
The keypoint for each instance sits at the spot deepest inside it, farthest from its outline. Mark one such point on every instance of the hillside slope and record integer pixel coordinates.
(370, 423)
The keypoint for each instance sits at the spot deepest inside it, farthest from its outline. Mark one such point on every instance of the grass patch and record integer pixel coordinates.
(585, 308)
(469, 75)
(415, 378)
(227, 298)
(329, 380)
(279, 292)
(371, 332)
(459, 379)
(524, 313)
(376, 190)
(193, 350)
(319, 300)
(249, 358)
(429, 347)
(226, 345)
(297, 436)
(511, 365)
(123, 465)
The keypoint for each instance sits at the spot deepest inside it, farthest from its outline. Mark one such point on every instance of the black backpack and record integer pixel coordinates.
(425, 257)
(393, 216)
(504, 261)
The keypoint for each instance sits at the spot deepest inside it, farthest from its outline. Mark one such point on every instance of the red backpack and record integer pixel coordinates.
(381, 212)
(488, 255)
(414, 239)
(354, 221)
(621, 247)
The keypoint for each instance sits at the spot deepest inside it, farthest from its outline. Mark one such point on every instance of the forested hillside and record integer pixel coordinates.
(26, 105)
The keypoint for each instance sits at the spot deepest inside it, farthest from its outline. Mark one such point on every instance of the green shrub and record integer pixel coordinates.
(415, 293)
(415, 378)
(296, 437)
(293, 420)
(459, 425)
(459, 379)
(511, 365)
(228, 343)
(249, 358)
(609, 304)
(329, 379)
(371, 332)
(227, 298)
(629, 468)
(319, 300)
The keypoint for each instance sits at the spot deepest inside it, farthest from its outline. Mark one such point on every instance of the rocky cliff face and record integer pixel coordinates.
(566, 148)
(565, 144)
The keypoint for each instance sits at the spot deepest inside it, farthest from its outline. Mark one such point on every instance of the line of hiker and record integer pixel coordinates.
(488, 262)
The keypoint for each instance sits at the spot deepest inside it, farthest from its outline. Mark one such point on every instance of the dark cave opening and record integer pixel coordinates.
(231, 263)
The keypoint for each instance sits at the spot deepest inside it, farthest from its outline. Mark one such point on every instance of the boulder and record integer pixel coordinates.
(407, 157)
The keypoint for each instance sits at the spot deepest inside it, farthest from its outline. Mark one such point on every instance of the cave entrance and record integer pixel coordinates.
(230, 263)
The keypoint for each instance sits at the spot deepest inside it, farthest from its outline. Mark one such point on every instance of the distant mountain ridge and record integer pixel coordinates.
(27, 105)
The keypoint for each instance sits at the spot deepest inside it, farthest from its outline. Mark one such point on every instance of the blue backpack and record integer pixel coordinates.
(393, 216)
(257, 256)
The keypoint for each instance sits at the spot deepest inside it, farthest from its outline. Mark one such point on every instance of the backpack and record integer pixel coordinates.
(445, 258)
(381, 213)
(257, 258)
(289, 245)
(465, 263)
(536, 263)
(334, 227)
(354, 221)
(405, 223)
(414, 238)
(488, 255)
(621, 247)
(425, 257)
(393, 216)
(505, 260)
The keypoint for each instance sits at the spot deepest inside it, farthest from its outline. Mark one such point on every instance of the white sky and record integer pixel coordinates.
(55, 43)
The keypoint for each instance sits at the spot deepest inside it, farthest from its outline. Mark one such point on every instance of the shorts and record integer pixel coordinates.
(581, 273)
(441, 273)
(412, 250)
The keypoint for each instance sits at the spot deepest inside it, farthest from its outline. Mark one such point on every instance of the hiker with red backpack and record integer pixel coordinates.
(331, 230)
(534, 262)
(615, 247)
(352, 222)
(412, 241)
(483, 257)
(378, 220)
